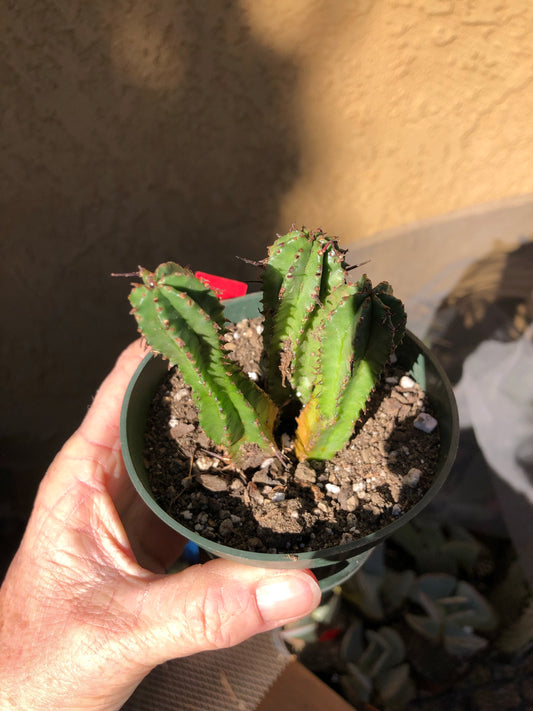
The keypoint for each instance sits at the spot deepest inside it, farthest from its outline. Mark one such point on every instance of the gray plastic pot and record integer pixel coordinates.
(331, 565)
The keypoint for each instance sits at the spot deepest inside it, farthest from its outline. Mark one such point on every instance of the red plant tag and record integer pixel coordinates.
(223, 288)
(330, 634)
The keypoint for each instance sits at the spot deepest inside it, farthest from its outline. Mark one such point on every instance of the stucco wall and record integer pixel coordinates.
(405, 108)
(133, 132)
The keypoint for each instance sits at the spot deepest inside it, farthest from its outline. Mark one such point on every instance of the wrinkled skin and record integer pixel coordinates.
(85, 609)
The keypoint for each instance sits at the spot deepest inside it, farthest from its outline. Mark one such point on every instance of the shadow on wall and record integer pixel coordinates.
(133, 133)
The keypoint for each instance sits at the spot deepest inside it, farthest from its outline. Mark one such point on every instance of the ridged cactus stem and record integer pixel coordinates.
(183, 320)
(360, 329)
(301, 270)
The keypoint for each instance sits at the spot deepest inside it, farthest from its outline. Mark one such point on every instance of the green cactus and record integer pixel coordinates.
(325, 343)
(183, 320)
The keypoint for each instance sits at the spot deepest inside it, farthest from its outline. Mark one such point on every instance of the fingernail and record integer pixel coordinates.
(288, 597)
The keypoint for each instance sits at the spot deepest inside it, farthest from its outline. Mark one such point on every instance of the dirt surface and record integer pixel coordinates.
(385, 468)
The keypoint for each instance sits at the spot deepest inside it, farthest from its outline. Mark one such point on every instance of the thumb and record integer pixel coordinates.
(216, 605)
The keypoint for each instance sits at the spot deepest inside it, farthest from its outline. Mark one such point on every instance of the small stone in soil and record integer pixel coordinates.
(212, 482)
(332, 489)
(254, 543)
(425, 422)
(347, 499)
(226, 527)
(180, 429)
(305, 473)
(267, 463)
(205, 463)
(261, 477)
(392, 407)
(412, 477)
(203, 440)
(254, 493)
(277, 496)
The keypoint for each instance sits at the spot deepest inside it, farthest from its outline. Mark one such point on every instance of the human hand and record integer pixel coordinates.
(85, 609)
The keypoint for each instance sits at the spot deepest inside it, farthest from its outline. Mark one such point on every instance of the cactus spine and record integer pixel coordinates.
(325, 343)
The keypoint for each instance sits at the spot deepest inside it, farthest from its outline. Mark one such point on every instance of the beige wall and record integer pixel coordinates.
(405, 109)
(136, 131)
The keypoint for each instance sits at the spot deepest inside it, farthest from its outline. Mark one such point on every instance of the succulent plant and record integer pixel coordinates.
(376, 616)
(325, 343)
(438, 546)
(448, 611)
(376, 668)
(452, 611)
(376, 590)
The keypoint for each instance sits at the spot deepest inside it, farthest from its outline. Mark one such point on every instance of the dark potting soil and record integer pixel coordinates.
(386, 468)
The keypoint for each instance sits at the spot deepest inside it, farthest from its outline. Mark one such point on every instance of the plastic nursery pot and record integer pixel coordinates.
(332, 566)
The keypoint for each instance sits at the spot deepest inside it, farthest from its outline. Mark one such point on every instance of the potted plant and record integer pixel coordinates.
(325, 344)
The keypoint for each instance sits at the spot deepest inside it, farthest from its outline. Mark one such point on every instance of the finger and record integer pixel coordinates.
(218, 605)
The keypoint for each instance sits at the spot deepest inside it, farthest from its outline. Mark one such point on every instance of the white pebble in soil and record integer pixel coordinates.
(425, 422)
(332, 489)
(204, 463)
(412, 477)
(277, 496)
(359, 487)
(406, 382)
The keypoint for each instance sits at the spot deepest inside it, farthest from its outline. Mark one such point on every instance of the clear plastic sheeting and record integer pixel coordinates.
(496, 395)
(497, 392)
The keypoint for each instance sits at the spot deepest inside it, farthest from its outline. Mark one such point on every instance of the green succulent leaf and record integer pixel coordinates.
(461, 641)
(425, 626)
